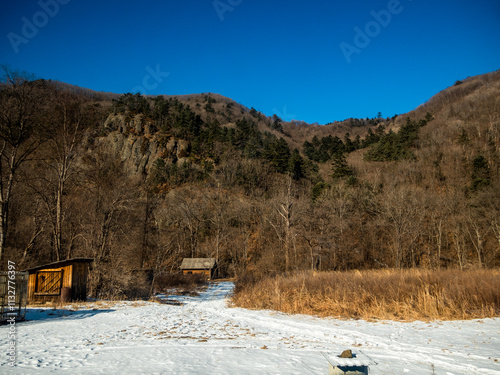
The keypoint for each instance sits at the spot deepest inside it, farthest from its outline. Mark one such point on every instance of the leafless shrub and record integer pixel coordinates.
(184, 284)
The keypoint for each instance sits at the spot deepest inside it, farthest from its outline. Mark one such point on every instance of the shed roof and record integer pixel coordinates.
(60, 263)
(198, 263)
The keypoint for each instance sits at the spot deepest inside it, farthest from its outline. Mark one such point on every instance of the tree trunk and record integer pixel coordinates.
(3, 227)
(5, 196)
(58, 226)
(439, 239)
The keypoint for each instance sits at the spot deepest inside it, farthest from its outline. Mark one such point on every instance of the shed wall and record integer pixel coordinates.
(208, 273)
(79, 282)
(67, 282)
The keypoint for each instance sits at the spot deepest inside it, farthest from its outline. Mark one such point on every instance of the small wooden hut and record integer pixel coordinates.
(203, 266)
(64, 281)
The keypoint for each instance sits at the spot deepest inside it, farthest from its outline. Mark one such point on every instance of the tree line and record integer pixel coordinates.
(240, 193)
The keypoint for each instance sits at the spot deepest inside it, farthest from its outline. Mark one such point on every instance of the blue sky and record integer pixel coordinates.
(281, 57)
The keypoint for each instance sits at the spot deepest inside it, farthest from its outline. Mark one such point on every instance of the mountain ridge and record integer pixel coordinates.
(142, 182)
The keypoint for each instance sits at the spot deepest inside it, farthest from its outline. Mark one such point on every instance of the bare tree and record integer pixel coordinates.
(39, 222)
(64, 144)
(58, 157)
(439, 215)
(218, 216)
(186, 205)
(21, 104)
(337, 206)
(107, 204)
(404, 213)
(281, 219)
(477, 231)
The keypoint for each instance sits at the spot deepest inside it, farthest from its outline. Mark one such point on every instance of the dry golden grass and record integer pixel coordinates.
(379, 294)
(79, 305)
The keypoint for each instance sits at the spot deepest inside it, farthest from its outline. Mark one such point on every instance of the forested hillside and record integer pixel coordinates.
(138, 183)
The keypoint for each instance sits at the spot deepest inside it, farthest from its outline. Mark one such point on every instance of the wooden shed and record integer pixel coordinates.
(65, 281)
(204, 266)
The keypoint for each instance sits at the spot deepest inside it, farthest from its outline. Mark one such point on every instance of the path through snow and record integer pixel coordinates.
(201, 335)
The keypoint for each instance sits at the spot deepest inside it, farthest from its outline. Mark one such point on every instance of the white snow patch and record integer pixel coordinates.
(201, 335)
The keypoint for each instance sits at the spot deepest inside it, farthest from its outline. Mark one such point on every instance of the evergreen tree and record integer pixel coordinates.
(396, 146)
(278, 153)
(480, 172)
(340, 167)
(357, 142)
(296, 165)
(276, 123)
(309, 150)
(348, 144)
(318, 188)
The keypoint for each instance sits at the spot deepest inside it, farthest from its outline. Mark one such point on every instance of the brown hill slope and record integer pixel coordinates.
(219, 187)
(465, 125)
(474, 100)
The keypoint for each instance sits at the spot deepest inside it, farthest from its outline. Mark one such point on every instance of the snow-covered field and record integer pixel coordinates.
(203, 336)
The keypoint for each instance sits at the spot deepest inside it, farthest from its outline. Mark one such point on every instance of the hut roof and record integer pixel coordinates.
(198, 263)
(60, 263)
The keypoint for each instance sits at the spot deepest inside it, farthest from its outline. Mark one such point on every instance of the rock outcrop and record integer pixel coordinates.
(132, 142)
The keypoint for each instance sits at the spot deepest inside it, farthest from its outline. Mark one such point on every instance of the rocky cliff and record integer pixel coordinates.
(132, 140)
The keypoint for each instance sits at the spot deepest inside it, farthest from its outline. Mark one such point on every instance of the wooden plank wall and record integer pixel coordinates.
(207, 273)
(80, 274)
(67, 282)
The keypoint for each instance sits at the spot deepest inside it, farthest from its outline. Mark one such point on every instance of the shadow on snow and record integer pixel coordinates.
(34, 315)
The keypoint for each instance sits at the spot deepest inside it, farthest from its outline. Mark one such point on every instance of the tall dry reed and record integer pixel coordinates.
(378, 294)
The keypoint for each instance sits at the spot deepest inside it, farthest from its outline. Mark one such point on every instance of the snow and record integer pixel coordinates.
(202, 335)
